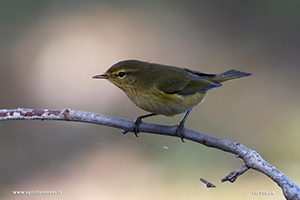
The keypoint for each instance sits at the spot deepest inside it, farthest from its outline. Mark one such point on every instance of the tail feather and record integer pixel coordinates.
(229, 75)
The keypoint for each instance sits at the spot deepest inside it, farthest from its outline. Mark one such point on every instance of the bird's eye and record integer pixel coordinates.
(121, 75)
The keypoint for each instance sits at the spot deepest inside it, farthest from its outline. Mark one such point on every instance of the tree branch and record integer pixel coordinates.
(251, 158)
(235, 174)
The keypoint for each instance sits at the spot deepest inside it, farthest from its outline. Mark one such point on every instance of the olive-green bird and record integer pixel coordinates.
(164, 90)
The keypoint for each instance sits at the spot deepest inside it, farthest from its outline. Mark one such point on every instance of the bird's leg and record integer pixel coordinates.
(181, 125)
(138, 121)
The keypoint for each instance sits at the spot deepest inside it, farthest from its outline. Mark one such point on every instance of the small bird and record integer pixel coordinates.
(162, 89)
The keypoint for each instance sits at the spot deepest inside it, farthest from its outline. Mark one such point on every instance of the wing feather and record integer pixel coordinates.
(184, 83)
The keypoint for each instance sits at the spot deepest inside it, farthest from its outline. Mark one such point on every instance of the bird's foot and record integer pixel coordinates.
(136, 126)
(180, 130)
(137, 123)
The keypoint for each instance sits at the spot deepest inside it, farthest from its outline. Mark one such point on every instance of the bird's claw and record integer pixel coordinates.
(136, 126)
(180, 130)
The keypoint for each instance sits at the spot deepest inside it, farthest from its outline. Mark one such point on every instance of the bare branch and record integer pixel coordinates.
(207, 183)
(235, 174)
(251, 158)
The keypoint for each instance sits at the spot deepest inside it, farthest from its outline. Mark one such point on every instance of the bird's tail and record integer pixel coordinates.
(228, 75)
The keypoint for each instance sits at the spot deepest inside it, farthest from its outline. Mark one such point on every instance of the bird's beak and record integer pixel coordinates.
(102, 76)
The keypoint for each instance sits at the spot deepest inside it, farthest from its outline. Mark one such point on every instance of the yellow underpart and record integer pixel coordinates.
(172, 96)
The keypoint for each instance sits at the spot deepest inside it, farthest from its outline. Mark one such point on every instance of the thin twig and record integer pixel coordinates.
(251, 158)
(235, 174)
(207, 183)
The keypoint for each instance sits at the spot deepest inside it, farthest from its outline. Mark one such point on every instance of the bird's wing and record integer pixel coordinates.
(186, 84)
(172, 84)
(198, 84)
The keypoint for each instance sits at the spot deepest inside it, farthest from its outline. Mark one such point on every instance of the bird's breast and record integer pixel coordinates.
(158, 102)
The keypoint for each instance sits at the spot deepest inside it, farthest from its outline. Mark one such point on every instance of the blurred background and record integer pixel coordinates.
(50, 49)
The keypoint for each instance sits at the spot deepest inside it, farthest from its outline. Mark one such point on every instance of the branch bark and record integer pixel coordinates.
(251, 158)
